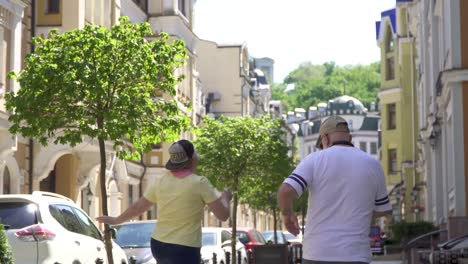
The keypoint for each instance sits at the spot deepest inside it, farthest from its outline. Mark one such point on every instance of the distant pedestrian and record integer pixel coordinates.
(346, 190)
(180, 196)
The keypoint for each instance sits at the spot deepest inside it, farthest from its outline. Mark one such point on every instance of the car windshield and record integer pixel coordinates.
(290, 236)
(16, 215)
(134, 235)
(270, 236)
(243, 237)
(208, 239)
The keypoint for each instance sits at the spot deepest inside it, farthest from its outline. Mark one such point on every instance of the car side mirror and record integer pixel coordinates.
(113, 232)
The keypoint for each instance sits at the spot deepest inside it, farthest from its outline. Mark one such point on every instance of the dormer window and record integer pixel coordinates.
(389, 55)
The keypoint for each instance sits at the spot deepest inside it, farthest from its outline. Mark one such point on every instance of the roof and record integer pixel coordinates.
(390, 14)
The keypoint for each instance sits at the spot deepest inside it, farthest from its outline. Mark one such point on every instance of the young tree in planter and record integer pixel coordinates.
(103, 84)
(260, 190)
(232, 150)
(6, 255)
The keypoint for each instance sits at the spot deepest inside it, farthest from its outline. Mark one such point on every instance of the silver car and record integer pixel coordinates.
(135, 239)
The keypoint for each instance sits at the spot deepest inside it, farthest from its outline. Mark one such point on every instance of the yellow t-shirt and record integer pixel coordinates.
(180, 203)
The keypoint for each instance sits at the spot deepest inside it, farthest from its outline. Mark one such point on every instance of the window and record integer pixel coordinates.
(390, 44)
(363, 146)
(390, 68)
(389, 56)
(392, 161)
(182, 7)
(17, 214)
(53, 7)
(225, 235)
(89, 228)
(391, 116)
(6, 181)
(65, 216)
(373, 148)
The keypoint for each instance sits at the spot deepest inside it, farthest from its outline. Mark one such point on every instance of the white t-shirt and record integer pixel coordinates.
(345, 186)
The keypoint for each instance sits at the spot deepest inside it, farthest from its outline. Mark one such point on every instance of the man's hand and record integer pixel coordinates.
(291, 223)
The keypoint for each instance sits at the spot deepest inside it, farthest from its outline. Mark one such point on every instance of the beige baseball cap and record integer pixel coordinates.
(330, 125)
(181, 153)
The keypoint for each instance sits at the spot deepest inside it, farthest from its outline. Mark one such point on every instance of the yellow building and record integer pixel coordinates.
(398, 106)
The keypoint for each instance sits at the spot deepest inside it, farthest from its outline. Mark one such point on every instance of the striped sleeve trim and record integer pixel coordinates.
(382, 201)
(299, 180)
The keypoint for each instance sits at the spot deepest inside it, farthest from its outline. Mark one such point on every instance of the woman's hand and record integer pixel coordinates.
(110, 220)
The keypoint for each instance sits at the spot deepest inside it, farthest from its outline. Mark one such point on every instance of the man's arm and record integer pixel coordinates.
(380, 214)
(286, 197)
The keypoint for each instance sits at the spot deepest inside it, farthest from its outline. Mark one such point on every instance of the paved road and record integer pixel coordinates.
(387, 262)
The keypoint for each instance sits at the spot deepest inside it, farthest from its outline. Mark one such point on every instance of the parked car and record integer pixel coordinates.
(376, 241)
(218, 240)
(135, 239)
(49, 228)
(450, 251)
(250, 237)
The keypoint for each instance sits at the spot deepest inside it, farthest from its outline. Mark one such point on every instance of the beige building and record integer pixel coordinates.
(224, 73)
(27, 166)
(14, 28)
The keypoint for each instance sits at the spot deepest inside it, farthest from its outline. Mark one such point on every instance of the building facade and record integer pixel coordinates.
(362, 124)
(440, 29)
(73, 171)
(398, 104)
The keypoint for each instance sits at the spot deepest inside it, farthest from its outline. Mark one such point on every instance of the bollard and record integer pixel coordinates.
(239, 257)
(215, 261)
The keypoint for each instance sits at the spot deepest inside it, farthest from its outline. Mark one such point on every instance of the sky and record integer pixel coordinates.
(295, 31)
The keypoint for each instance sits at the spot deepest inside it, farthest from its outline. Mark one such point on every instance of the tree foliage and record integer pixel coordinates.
(320, 83)
(247, 155)
(100, 83)
(6, 255)
(405, 231)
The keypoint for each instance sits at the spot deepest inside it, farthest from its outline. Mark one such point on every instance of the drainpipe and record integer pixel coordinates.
(31, 141)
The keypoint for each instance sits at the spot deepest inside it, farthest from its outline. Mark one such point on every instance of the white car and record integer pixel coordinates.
(49, 228)
(218, 240)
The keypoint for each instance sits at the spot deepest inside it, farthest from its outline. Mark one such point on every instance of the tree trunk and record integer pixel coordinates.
(234, 222)
(102, 180)
(274, 225)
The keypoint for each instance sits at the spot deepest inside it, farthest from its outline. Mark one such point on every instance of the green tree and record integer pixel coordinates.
(6, 255)
(259, 191)
(320, 83)
(233, 150)
(103, 84)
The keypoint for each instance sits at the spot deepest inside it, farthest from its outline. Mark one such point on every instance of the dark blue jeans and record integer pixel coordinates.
(166, 253)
